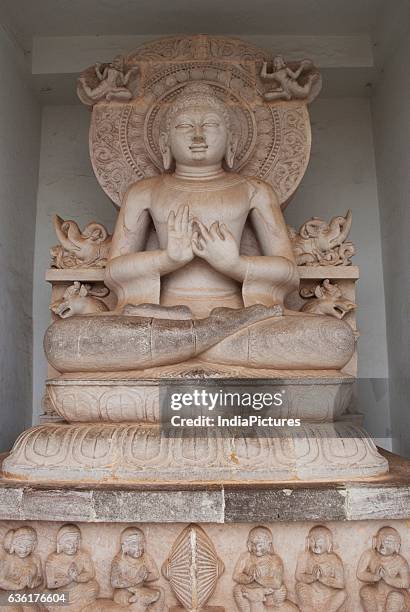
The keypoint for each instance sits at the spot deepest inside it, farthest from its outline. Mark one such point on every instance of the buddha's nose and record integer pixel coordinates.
(198, 136)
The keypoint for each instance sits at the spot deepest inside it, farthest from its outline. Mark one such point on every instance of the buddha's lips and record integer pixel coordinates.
(198, 147)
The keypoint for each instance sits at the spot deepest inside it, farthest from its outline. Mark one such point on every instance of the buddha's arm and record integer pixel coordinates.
(132, 273)
(270, 277)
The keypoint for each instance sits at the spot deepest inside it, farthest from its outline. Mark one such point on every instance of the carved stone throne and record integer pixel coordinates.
(112, 433)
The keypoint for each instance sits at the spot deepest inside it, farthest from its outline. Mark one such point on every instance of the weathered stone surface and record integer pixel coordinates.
(387, 497)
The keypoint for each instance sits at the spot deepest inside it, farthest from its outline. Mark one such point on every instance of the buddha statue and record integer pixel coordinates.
(195, 296)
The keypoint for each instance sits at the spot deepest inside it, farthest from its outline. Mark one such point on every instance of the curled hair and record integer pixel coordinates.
(197, 94)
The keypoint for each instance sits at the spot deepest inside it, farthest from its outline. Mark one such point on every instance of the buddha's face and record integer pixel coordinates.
(198, 137)
(23, 546)
(69, 543)
(260, 545)
(387, 545)
(133, 546)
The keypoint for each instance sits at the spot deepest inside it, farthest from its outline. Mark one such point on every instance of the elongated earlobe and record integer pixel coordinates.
(165, 150)
(230, 152)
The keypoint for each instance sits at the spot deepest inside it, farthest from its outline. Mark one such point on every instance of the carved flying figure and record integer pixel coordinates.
(78, 249)
(327, 300)
(20, 566)
(228, 307)
(259, 576)
(107, 82)
(71, 570)
(80, 299)
(320, 583)
(291, 81)
(321, 243)
(386, 574)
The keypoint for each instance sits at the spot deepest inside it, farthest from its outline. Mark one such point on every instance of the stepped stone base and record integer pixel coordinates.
(130, 453)
(352, 512)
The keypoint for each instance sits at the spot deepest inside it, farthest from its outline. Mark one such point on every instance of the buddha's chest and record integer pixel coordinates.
(229, 204)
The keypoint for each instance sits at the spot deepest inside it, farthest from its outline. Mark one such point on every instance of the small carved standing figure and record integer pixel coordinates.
(20, 567)
(259, 576)
(71, 570)
(286, 80)
(112, 83)
(386, 574)
(320, 584)
(132, 568)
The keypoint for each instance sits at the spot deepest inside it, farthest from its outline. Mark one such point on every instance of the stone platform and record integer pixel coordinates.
(222, 515)
(383, 498)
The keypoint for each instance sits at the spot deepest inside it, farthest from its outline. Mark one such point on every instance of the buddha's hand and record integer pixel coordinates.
(179, 248)
(217, 246)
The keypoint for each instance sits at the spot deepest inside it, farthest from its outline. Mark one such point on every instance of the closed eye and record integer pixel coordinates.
(184, 125)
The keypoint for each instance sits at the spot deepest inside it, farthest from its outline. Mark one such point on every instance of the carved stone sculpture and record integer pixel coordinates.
(71, 570)
(198, 162)
(107, 82)
(259, 576)
(80, 299)
(320, 243)
(193, 568)
(133, 571)
(327, 300)
(291, 80)
(80, 249)
(20, 566)
(198, 264)
(386, 574)
(320, 583)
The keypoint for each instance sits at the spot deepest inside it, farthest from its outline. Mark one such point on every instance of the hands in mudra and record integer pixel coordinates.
(189, 237)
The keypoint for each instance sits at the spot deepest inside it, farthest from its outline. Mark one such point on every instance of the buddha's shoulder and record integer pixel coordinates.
(144, 187)
(261, 190)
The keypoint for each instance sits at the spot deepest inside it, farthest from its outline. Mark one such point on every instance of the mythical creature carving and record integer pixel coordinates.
(320, 582)
(291, 80)
(386, 574)
(193, 568)
(320, 243)
(110, 82)
(20, 566)
(327, 299)
(80, 249)
(133, 571)
(71, 570)
(259, 576)
(80, 299)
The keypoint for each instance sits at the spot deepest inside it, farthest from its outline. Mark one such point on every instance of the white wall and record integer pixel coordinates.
(68, 187)
(391, 120)
(20, 138)
(341, 175)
